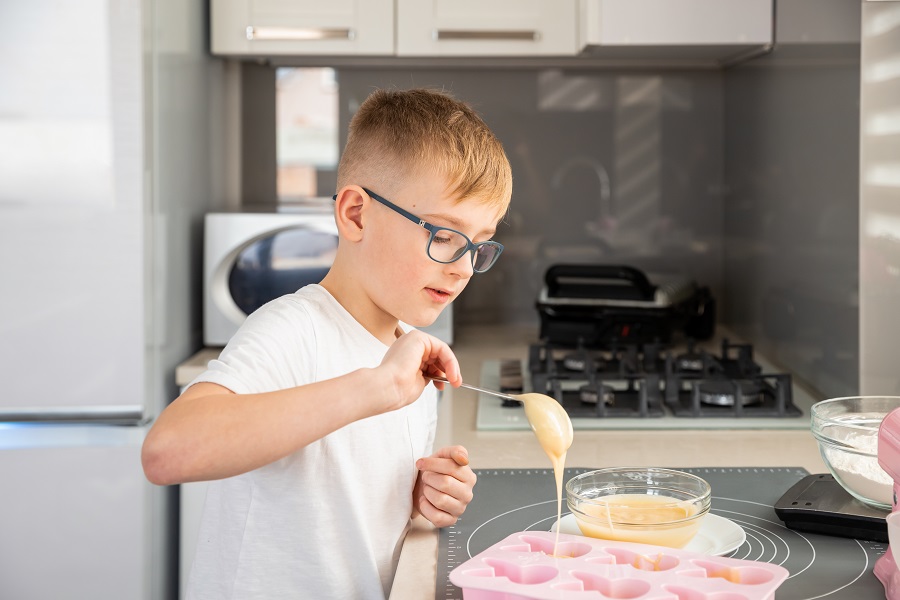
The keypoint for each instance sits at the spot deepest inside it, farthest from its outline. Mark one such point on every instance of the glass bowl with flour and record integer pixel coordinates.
(847, 432)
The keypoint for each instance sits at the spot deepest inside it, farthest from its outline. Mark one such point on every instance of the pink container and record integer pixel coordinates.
(887, 569)
(521, 567)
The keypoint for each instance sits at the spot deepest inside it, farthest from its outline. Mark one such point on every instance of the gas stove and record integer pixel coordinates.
(650, 385)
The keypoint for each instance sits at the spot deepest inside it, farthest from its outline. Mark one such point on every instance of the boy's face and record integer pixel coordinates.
(405, 282)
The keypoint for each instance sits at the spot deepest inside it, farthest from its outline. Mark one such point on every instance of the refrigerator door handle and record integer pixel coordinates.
(99, 415)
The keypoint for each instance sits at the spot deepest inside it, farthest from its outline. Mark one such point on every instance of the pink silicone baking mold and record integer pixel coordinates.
(521, 567)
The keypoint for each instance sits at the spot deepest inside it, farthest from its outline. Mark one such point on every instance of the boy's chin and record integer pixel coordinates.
(424, 320)
(420, 323)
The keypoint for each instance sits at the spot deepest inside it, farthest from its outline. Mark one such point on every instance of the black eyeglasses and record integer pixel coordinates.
(447, 245)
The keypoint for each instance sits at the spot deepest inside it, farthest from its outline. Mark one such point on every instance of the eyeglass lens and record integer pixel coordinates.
(484, 257)
(447, 246)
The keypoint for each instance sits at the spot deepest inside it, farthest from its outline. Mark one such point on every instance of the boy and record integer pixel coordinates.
(317, 419)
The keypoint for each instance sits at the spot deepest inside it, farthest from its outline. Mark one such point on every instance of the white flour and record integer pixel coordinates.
(862, 474)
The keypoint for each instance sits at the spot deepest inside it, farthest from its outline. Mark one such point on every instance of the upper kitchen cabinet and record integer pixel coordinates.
(486, 27)
(302, 27)
(712, 30)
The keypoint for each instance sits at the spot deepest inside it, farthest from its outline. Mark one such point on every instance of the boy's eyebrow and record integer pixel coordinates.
(457, 223)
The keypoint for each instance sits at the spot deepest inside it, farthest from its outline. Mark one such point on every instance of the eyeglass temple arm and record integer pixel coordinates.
(420, 222)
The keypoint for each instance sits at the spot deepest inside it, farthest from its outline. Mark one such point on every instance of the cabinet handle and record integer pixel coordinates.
(498, 35)
(299, 33)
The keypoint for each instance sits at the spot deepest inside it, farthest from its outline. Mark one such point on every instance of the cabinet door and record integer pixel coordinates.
(486, 27)
(78, 516)
(675, 22)
(302, 27)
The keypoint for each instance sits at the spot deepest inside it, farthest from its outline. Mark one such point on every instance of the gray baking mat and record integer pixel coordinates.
(511, 500)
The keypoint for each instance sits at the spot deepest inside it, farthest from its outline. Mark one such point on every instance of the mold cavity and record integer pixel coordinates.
(564, 550)
(569, 586)
(619, 588)
(526, 574)
(689, 594)
(742, 575)
(645, 562)
(482, 572)
(601, 560)
(517, 548)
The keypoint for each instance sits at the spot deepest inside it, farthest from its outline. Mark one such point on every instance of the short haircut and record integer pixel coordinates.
(397, 134)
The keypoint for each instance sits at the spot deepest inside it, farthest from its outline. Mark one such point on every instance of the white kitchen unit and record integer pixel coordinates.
(701, 29)
(108, 116)
(302, 27)
(486, 27)
(80, 520)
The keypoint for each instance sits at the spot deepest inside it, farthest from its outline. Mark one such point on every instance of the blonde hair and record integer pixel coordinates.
(397, 134)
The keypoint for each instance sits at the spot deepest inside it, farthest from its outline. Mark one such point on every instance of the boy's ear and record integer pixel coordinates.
(348, 212)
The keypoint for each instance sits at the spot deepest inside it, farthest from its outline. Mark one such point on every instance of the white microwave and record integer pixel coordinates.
(250, 258)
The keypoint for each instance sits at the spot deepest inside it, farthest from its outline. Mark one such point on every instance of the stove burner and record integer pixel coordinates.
(721, 392)
(511, 376)
(575, 362)
(689, 361)
(589, 394)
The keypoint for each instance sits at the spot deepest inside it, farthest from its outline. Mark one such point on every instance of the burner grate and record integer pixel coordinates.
(636, 396)
(772, 392)
(648, 380)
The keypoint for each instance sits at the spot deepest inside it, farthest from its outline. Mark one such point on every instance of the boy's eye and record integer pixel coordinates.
(440, 239)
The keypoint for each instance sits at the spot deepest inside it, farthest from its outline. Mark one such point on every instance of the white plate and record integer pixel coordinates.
(718, 536)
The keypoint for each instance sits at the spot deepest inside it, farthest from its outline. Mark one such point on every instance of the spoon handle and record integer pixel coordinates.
(478, 389)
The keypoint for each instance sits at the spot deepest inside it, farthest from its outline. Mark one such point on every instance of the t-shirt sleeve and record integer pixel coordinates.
(273, 350)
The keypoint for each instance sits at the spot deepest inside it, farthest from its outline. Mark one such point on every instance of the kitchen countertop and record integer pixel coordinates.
(195, 365)
(415, 578)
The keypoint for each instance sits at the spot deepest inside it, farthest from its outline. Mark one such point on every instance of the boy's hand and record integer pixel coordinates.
(444, 485)
(408, 363)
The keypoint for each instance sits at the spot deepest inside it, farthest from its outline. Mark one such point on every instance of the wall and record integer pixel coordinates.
(879, 221)
(791, 211)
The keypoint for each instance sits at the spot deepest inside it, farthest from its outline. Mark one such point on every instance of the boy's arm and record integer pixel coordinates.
(210, 432)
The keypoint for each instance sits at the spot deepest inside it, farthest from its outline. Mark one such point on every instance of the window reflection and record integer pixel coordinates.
(306, 116)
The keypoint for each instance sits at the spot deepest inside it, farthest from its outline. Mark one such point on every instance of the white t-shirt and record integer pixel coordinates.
(329, 520)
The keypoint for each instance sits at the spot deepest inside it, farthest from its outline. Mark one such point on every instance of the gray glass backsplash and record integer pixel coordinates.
(792, 211)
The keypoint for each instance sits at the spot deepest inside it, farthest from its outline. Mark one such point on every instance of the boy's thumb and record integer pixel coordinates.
(460, 456)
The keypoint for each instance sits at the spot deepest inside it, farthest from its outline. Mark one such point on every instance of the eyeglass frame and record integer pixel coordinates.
(433, 229)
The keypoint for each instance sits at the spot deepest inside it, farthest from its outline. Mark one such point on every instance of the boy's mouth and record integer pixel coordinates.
(439, 295)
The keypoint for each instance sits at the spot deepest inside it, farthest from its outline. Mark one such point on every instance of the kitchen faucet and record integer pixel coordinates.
(606, 212)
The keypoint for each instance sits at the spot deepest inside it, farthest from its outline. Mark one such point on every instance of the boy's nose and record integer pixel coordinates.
(462, 267)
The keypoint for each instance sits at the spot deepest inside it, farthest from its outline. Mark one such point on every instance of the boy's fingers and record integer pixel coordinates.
(460, 456)
(456, 453)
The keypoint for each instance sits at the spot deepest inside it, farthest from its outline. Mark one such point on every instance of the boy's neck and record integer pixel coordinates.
(384, 328)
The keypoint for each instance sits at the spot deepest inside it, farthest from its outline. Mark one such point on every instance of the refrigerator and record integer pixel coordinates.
(107, 137)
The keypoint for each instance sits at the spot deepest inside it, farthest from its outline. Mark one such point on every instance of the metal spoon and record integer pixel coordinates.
(478, 389)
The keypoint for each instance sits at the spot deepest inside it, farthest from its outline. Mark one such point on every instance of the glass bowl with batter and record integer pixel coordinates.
(647, 505)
